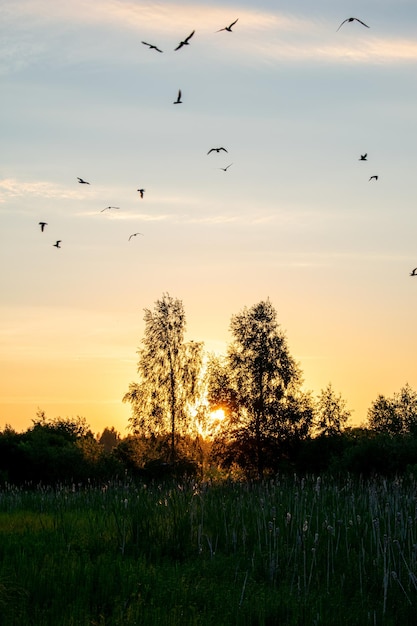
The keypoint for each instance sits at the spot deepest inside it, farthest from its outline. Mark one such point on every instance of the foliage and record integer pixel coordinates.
(42, 456)
(109, 439)
(149, 457)
(331, 412)
(396, 415)
(53, 451)
(258, 386)
(69, 428)
(169, 371)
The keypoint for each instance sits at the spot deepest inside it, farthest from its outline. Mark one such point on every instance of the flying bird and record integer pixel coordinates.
(151, 46)
(228, 28)
(109, 207)
(352, 19)
(178, 100)
(82, 182)
(374, 177)
(225, 168)
(414, 272)
(134, 235)
(57, 244)
(141, 191)
(185, 42)
(42, 225)
(216, 150)
(363, 157)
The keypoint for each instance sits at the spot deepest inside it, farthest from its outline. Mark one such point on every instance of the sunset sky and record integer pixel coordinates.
(294, 219)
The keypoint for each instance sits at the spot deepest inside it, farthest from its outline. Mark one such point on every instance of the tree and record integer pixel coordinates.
(70, 428)
(258, 383)
(396, 415)
(331, 412)
(109, 439)
(170, 373)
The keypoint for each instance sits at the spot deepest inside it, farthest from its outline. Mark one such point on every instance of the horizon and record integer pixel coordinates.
(296, 98)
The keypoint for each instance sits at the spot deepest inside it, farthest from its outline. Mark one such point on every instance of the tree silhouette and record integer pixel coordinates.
(331, 412)
(170, 373)
(258, 383)
(109, 439)
(396, 415)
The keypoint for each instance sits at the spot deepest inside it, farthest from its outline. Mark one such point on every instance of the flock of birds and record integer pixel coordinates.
(181, 44)
(141, 191)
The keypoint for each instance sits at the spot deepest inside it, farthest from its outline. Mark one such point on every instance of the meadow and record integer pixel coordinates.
(289, 550)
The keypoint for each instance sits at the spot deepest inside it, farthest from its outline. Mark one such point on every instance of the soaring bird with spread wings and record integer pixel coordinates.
(82, 182)
(151, 46)
(134, 235)
(216, 150)
(186, 41)
(42, 225)
(228, 28)
(352, 19)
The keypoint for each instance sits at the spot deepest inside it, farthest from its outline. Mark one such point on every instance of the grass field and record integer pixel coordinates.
(289, 551)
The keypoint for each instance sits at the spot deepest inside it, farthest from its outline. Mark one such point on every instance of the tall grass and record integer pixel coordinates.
(288, 551)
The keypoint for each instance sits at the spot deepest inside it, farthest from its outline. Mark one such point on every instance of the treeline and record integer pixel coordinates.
(245, 414)
(63, 451)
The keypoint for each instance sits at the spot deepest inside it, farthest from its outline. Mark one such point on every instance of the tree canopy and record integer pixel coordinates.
(331, 412)
(258, 383)
(396, 415)
(169, 373)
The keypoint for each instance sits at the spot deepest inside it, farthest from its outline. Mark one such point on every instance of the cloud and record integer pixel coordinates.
(129, 216)
(261, 36)
(12, 188)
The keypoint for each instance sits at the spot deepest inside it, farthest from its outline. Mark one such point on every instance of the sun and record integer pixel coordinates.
(216, 417)
(212, 424)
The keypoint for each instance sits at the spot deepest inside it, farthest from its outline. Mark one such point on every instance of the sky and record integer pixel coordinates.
(295, 100)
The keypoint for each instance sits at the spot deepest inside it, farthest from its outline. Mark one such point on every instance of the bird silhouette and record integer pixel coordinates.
(414, 272)
(363, 157)
(374, 177)
(151, 46)
(134, 235)
(57, 244)
(141, 191)
(109, 207)
(42, 225)
(228, 28)
(225, 168)
(82, 182)
(185, 42)
(352, 19)
(216, 150)
(178, 100)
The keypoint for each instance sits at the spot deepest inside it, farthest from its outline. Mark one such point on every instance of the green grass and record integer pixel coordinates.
(287, 551)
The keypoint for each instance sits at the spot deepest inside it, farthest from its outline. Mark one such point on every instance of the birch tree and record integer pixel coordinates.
(169, 373)
(258, 382)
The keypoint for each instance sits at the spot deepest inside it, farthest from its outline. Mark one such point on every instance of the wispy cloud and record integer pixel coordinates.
(13, 188)
(128, 216)
(262, 36)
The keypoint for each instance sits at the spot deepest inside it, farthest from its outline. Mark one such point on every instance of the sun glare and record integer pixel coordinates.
(216, 417)
(211, 425)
